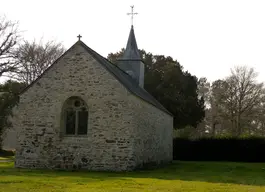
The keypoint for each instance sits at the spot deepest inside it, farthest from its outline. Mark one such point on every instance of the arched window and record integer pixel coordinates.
(75, 116)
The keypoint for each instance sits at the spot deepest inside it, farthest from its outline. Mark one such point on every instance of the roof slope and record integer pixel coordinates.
(120, 75)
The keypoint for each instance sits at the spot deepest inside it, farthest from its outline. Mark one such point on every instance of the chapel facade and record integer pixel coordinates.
(84, 112)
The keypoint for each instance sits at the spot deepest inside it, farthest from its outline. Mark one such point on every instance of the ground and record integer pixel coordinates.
(7, 158)
(180, 176)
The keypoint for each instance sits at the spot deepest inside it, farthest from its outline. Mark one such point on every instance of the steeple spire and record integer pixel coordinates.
(131, 52)
(131, 62)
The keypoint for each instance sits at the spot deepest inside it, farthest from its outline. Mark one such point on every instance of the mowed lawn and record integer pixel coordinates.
(180, 176)
(6, 158)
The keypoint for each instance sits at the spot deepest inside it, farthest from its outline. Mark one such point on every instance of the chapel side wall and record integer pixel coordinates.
(108, 145)
(153, 134)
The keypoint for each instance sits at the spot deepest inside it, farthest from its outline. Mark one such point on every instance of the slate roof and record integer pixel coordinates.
(131, 52)
(120, 75)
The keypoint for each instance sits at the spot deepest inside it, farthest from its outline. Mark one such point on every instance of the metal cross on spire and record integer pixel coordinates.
(132, 14)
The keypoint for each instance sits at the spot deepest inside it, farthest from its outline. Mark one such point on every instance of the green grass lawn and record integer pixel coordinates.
(7, 158)
(180, 176)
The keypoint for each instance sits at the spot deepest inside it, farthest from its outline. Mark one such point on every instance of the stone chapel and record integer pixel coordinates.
(84, 112)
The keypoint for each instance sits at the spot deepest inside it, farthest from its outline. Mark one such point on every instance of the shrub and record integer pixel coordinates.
(5, 153)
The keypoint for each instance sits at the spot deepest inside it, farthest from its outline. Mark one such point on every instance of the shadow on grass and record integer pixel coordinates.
(214, 172)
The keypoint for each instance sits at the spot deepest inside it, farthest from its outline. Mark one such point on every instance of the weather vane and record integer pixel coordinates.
(132, 14)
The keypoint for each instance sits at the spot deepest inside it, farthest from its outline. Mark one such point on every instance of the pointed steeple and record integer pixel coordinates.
(131, 61)
(131, 52)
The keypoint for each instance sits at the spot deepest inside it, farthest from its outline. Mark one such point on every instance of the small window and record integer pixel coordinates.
(70, 122)
(82, 122)
(75, 117)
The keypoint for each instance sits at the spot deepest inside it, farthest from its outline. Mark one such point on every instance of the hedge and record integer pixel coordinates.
(220, 149)
(5, 153)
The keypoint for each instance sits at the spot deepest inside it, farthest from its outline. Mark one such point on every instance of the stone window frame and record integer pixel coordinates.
(67, 104)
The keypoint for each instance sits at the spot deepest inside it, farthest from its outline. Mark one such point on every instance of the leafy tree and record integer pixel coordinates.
(173, 87)
(9, 92)
(256, 121)
(204, 89)
(217, 112)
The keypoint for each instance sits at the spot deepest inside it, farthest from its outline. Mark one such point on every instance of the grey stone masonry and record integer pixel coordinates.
(124, 131)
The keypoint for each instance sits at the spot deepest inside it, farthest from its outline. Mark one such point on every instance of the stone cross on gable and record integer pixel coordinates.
(132, 14)
(79, 37)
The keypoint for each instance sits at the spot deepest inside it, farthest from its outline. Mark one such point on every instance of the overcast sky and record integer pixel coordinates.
(207, 37)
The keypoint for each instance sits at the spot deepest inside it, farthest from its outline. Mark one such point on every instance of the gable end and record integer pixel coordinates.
(119, 74)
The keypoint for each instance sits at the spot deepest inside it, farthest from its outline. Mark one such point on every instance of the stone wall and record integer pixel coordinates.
(124, 131)
(108, 145)
(9, 139)
(153, 144)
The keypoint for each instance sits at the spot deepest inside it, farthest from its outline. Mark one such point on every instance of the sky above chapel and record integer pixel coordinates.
(207, 37)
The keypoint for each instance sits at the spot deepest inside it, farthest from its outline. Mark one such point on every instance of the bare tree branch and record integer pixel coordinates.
(9, 38)
(34, 58)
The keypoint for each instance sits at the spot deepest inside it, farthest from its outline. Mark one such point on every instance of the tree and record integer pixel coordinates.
(204, 88)
(247, 94)
(217, 113)
(237, 99)
(174, 88)
(34, 58)
(257, 124)
(9, 38)
(9, 92)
